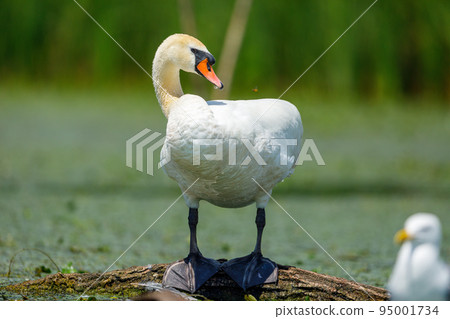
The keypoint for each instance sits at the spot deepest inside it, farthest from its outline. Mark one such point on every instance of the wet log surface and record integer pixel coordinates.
(136, 282)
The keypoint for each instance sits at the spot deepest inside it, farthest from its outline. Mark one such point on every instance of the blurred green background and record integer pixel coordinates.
(376, 105)
(400, 49)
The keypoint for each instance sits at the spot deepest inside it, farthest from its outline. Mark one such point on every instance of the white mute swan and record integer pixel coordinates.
(229, 153)
(419, 273)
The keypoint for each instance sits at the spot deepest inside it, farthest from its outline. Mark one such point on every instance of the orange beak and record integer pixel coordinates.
(206, 70)
(401, 236)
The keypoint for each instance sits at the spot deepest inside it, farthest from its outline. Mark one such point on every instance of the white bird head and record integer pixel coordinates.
(190, 55)
(420, 228)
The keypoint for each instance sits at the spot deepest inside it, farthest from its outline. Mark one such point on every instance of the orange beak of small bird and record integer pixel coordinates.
(207, 71)
(401, 236)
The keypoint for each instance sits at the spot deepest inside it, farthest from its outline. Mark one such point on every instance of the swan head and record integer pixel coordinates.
(190, 55)
(420, 228)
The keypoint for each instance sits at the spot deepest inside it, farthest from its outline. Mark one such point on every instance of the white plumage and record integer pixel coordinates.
(229, 153)
(419, 273)
(190, 117)
(228, 125)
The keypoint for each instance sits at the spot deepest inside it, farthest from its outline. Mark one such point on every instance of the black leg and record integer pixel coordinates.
(253, 269)
(260, 222)
(193, 221)
(193, 271)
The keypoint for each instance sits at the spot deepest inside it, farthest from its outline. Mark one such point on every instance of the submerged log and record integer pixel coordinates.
(293, 284)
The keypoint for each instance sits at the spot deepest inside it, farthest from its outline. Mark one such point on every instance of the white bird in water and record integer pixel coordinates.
(242, 130)
(419, 273)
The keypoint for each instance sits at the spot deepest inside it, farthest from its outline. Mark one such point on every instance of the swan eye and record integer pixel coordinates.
(201, 55)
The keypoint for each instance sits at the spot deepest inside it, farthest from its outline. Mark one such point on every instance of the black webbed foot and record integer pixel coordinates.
(251, 270)
(190, 273)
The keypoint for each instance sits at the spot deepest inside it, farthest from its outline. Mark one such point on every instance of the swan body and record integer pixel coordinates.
(229, 153)
(419, 273)
(226, 182)
(190, 117)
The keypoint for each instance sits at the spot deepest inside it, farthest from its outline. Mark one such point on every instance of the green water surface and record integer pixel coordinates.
(65, 188)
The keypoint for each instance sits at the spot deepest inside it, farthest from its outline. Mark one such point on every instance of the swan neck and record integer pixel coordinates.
(166, 80)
